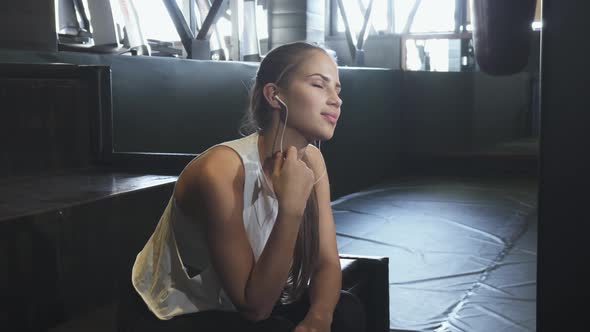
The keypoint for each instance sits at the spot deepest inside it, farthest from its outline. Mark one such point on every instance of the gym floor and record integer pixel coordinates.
(462, 251)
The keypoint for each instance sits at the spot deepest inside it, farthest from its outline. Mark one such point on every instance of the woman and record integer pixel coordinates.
(247, 242)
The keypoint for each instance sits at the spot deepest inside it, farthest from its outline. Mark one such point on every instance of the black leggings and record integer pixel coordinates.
(134, 316)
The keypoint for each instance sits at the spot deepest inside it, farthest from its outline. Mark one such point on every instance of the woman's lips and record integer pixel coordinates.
(330, 117)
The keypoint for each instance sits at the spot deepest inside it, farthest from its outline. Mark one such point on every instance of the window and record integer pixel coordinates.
(402, 12)
(165, 28)
(431, 43)
(355, 11)
(391, 16)
(155, 21)
(434, 16)
(428, 55)
(250, 17)
(429, 40)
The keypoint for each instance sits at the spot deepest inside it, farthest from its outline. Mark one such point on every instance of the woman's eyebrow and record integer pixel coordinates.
(325, 78)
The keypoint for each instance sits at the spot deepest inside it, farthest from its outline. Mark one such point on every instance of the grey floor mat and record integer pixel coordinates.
(462, 251)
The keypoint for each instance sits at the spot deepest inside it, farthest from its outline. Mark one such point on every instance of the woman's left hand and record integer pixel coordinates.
(310, 324)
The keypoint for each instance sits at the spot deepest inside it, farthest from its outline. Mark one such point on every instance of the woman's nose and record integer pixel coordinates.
(335, 100)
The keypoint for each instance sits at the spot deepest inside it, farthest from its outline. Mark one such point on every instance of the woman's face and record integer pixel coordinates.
(312, 97)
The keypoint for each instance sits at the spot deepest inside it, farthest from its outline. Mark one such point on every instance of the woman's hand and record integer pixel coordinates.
(311, 324)
(292, 182)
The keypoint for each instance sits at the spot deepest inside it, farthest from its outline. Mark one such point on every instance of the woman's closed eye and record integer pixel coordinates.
(321, 85)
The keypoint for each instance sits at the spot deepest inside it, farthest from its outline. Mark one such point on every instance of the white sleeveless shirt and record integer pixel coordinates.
(159, 274)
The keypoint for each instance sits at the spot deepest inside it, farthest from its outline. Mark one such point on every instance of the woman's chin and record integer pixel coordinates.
(323, 135)
(326, 136)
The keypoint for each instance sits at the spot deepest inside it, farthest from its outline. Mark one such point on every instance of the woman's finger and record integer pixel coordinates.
(278, 162)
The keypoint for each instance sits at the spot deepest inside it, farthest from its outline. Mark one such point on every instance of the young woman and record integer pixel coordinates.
(247, 241)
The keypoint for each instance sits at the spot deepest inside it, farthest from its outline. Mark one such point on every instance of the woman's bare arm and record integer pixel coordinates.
(211, 190)
(327, 279)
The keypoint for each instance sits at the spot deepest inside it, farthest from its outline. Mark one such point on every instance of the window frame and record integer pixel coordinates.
(468, 35)
(333, 18)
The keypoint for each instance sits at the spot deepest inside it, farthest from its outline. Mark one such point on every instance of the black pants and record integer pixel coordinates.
(134, 316)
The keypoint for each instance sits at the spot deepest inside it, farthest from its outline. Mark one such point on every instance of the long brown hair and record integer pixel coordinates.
(278, 67)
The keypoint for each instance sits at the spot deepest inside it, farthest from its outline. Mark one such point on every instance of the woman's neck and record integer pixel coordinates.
(269, 142)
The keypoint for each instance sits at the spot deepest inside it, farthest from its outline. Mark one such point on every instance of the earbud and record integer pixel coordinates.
(283, 134)
(285, 122)
(280, 101)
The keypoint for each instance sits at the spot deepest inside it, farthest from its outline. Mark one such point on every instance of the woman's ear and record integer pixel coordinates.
(270, 90)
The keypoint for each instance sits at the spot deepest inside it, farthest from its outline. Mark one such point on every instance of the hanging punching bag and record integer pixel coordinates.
(502, 34)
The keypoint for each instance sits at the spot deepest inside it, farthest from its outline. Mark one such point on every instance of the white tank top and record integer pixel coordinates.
(159, 274)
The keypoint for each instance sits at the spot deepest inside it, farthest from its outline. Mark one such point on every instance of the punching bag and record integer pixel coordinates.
(502, 34)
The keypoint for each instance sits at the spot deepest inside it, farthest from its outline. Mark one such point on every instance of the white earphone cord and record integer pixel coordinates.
(283, 134)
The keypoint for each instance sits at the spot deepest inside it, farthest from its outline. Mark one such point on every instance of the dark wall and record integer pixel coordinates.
(501, 109)
(166, 105)
(563, 273)
(50, 118)
(455, 112)
(162, 104)
(365, 149)
(28, 25)
(436, 112)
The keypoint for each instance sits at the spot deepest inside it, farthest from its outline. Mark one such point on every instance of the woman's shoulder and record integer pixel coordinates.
(315, 159)
(218, 166)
